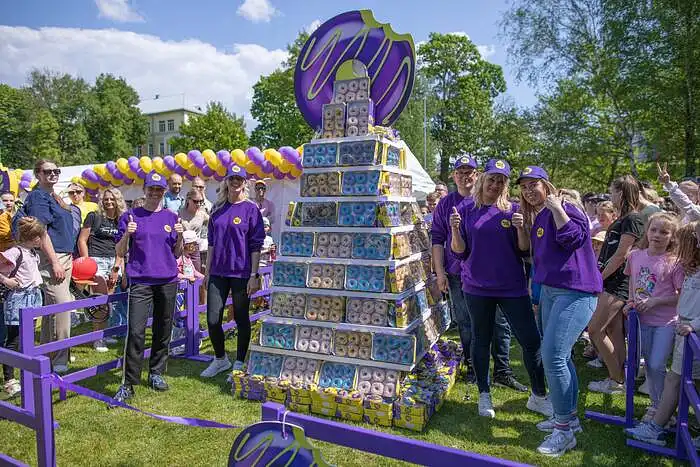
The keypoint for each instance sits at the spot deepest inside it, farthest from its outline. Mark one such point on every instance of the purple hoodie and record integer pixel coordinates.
(441, 232)
(564, 257)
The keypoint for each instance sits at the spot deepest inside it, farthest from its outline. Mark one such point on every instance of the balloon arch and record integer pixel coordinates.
(281, 164)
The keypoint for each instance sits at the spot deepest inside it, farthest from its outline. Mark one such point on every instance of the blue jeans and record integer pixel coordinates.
(565, 314)
(500, 345)
(656, 345)
(518, 312)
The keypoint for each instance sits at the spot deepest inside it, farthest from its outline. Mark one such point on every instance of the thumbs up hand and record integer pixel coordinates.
(518, 220)
(131, 226)
(178, 227)
(455, 219)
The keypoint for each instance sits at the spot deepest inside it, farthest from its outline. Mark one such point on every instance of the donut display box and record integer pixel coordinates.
(363, 151)
(378, 213)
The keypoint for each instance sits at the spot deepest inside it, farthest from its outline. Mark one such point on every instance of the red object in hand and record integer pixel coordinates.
(273, 252)
(84, 269)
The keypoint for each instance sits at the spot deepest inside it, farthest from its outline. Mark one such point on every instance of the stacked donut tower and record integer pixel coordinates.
(353, 308)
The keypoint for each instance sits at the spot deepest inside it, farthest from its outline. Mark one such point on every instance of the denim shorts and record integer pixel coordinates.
(19, 299)
(104, 266)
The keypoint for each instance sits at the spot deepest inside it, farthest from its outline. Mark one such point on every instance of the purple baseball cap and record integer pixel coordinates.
(236, 171)
(465, 160)
(155, 179)
(497, 166)
(532, 171)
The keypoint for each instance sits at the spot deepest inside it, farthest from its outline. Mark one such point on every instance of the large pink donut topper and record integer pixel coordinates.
(351, 37)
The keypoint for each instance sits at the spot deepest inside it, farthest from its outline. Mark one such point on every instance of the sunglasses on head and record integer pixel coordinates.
(75, 192)
(48, 172)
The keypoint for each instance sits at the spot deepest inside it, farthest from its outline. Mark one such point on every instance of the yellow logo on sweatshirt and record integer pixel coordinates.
(540, 232)
(236, 220)
(167, 228)
(505, 223)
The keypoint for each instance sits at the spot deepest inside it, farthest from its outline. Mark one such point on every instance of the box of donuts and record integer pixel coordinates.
(410, 214)
(360, 117)
(352, 399)
(366, 278)
(298, 408)
(297, 244)
(289, 274)
(333, 245)
(324, 397)
(348, 90)
(324, 214)
(353, 344)
(393, 156)
(314, 339)
(287, 305)
(298, 370)
(326, 276)
(391, 348)
(278, 336)
(371, 246)
(341, 376)
(321, 410)
(323, 184)
(293, 214)
(377, 417)
(400, 278)
(325, 308)
(433, 292)
(320, 154)
(333, 120)
(392, 185)
(357, 214)
(363, 152)
(389, 214)
(406, 185)
(402, 245)
(368, 311)
(362, 183)
(378, 385)
(419, 239)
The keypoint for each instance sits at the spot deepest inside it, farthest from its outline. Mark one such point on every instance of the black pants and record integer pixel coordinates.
(11, 343)
(141, 298)
(217, 293)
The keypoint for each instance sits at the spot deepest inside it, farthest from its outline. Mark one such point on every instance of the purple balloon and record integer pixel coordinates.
(141, 174)
(290, 176)
(193, 154)
(23, 184)
(26, 175)
(199, 161)
(255, 155)
(169, 162)
(90, 175)
(279, 175)
(104, 182)
(299, 165)
(224, 157)
(206, 171)
(189, 176)
(179, 169)
(218, 177)
(127, 181)
(289, 154)
(267, 167)
(134, 164)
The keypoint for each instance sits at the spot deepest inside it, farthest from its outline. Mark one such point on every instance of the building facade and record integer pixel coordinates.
(165, 118)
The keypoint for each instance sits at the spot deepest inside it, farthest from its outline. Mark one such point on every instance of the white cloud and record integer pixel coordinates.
(257, 11)
(486, 50)
(118, 10)
(152, 66)
(313, 26)
(459, 33)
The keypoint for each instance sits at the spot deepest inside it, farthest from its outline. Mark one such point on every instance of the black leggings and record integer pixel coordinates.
(217, 293)
(11, 343)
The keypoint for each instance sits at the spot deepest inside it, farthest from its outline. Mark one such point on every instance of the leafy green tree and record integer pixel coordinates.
(44, 136)
(274, 105)
(464, 86)
(16, 114)
(216, 129)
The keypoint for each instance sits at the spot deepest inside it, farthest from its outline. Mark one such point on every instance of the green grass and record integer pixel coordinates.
(89, 434)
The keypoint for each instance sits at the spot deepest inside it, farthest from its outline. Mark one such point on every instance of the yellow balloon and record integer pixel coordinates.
(296, 172)
(221, 171)
(211, 159)
(77, 180)
(116, 182)
(146, 164)
(182, 161)
(285, 167)
(251, 168)
(300, 150)
(87, 184)
(273, 156)
(158, 165)
(193, 170)
(239, 157)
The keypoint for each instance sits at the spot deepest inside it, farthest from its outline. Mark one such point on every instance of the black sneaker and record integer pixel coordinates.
(510, 382)
(124, 393)
(158, 383)
(470, 376)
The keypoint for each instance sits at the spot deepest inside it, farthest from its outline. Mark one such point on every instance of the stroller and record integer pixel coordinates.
(86, 284)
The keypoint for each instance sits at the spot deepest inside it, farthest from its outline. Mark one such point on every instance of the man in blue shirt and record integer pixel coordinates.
(173, 200)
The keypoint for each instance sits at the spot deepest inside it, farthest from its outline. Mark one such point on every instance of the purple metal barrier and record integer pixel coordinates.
(631, 365)
(376, 442)
(684, 448)
(39, 420)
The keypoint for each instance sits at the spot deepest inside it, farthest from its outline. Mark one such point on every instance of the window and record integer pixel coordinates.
(162, 148)
(150, 149)
(171, 125)
(161, 126)
(138, 151)
(170, 148)
(152, 127)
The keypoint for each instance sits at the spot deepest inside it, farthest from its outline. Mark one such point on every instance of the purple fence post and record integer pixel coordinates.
(683, 403)
(191, 301)
(45, 442)
(631, 365)
(26, 346)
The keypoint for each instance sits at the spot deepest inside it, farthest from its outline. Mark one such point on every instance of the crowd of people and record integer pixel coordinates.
(553, 267)
(548, 267)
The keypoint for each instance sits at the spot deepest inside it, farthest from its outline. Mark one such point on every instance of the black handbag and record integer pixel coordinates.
(4, 290)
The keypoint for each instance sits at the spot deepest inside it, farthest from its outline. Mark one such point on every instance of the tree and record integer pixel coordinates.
(115, 125)
(216, 129)
(464, 86)
(44, 136)
(16, 114)
(274, 105)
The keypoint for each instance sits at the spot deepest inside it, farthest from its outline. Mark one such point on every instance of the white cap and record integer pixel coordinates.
(190, 236)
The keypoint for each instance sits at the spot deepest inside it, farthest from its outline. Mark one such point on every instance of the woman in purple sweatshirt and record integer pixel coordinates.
(236, 235)
(565, 265)
(488, 234)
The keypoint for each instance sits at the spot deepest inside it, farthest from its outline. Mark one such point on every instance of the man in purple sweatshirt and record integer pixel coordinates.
(448, 269)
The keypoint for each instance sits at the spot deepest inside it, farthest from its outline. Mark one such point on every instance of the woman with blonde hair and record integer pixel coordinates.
(606, 326)
(97, 240)
(488, 234)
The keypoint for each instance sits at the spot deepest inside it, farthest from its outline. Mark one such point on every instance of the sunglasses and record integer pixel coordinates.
(198, 202)
(261, 188)
(75, 193)
(199, 187)
(48, 172)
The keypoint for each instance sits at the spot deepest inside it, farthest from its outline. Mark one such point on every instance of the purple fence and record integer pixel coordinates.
(40, 418)
(376, 442)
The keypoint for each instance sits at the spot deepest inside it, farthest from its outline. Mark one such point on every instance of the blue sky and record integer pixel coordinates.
(211, 49)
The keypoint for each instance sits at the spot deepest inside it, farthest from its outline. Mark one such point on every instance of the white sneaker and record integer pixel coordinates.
(644, 388)
(60, 369)
(215, 367)
(72, 358)
(595, 363)
(540, 405)
(12, 388)
(649, 415)
(606, 386)
(557, 443)
(238, 365)
(110, 341)
(485, 405)
(100, 346)
(548, 425)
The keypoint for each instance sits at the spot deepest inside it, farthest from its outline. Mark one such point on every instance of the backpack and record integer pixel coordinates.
(4, 290)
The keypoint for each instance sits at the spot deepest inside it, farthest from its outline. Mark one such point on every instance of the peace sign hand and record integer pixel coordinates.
(664, 177)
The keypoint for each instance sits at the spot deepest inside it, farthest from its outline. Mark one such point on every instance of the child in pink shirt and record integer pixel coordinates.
(655, 280)
(185, 266)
